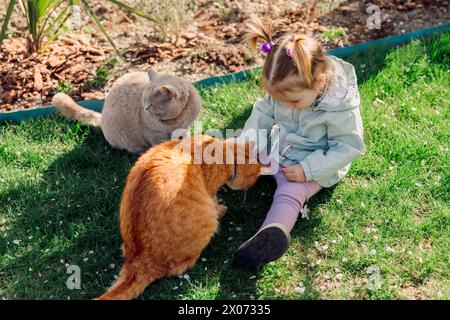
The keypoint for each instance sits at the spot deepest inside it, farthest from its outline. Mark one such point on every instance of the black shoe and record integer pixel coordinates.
(266, 245)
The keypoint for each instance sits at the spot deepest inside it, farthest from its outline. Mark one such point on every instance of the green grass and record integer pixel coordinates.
(334, 33)
(60, 186)
(64, 87)
(101, 77)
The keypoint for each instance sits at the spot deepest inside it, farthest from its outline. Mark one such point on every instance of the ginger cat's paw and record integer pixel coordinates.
(222, 210)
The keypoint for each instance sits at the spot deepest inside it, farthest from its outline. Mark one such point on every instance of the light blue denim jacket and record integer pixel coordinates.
(323, 138)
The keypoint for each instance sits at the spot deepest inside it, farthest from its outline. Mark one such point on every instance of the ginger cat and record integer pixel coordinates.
(169, 210)
(141, 110)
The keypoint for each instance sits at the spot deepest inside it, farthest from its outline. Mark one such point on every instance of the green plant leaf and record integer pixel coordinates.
(40, 21)
(42, 7)
(102, 29)
(7, 18)
(62, 18)
(45, 27)
(33, 21)
(135, 11)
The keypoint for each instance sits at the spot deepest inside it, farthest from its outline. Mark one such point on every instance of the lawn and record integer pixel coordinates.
(381, 233)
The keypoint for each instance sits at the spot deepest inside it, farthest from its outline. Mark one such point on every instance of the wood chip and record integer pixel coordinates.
(37, 79)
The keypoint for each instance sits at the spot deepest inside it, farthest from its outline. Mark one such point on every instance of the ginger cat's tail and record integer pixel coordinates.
(70, 109)
(134, 277)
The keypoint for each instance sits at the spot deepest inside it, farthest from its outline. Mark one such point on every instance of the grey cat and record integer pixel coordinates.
(141, 110)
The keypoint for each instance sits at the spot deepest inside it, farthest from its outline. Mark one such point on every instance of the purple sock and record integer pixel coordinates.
(289, 198)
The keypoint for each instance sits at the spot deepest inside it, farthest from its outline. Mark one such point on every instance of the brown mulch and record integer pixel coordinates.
(28, 79)
(212, 44)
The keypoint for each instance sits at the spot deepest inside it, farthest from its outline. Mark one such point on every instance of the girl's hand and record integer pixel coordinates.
(294, 173)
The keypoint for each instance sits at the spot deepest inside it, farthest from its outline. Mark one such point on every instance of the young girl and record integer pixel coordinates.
(313, 100)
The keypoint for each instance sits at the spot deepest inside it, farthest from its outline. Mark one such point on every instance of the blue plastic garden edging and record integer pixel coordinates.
(17, 116)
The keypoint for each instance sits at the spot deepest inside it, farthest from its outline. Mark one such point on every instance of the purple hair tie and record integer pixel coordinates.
(289, 52)
(266, 46)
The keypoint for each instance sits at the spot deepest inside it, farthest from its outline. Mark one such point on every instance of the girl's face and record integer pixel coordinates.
(298, 99)
(301, 98)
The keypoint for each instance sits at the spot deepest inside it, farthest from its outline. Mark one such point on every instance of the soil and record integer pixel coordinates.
(209, 43)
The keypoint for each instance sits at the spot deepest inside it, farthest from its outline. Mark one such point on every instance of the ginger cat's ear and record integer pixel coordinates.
(151, 74)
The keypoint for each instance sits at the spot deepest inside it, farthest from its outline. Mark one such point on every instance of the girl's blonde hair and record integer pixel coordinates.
(290, 55)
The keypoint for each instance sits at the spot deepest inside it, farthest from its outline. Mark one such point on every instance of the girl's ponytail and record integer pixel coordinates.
(257, 29)
(301, 57)
(291, 56)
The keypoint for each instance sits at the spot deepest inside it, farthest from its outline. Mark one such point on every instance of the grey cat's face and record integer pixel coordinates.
(166, 97)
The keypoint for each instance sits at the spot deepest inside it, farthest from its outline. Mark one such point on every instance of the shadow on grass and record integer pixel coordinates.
(251, 216)
(68, 213)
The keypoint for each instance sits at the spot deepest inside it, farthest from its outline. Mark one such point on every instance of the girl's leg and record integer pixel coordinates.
(273, 238)
(289, 198)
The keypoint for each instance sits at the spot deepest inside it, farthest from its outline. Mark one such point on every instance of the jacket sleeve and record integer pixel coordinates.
(345, 143)
(262, 117)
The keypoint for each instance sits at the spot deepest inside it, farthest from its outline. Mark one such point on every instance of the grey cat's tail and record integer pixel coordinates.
(70, 109)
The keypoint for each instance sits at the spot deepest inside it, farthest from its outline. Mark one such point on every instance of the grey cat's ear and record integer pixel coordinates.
(151, 74)
(168, 91)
